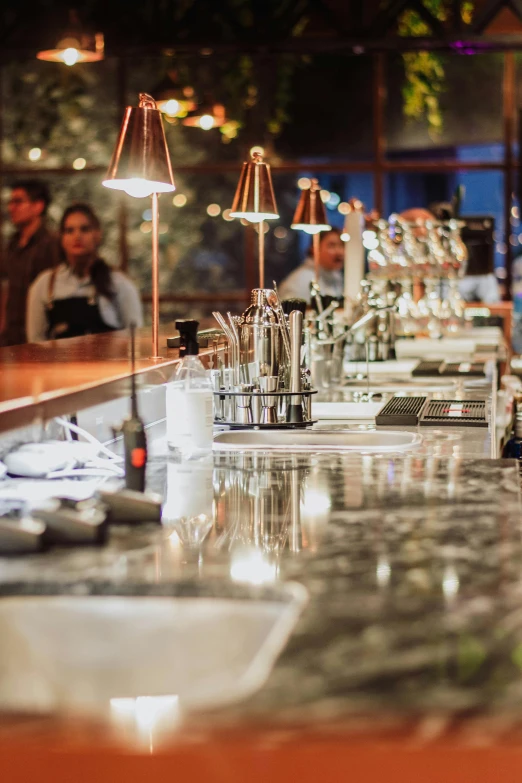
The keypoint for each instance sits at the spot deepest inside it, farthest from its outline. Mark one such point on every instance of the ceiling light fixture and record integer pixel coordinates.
(76, 45)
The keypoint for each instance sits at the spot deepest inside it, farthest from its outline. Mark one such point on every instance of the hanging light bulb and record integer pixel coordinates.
(171, 107)
(206, 122)
(206, 116)
(71, 55)
(174, 99)
(76, 45)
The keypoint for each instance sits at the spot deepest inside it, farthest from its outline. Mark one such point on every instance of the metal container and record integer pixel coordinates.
(259, 337)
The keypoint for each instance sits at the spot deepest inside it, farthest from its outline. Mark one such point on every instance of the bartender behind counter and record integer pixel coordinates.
(331, 263)
(83, 295)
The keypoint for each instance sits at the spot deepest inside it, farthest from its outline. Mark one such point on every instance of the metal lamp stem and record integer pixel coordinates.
(315, 243)
(155, 276)
(261, 254)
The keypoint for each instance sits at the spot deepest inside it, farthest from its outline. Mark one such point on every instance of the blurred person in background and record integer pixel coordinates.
(331, 265)
(83, 295)
(32, 248)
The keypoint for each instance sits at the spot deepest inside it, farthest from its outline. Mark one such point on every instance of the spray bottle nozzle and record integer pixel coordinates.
(188, 337)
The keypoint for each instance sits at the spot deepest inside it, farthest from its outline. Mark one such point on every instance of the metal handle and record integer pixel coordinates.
(296, 337)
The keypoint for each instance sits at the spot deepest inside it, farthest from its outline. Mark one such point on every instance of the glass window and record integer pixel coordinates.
(288, 248)
(55, 116)
(192, 145)
(201, 249)
(330, 111)
(469, 96)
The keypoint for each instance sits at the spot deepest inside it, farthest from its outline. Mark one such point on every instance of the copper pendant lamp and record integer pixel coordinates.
(75, 45)
(310, 216)
(141, 167)
(255, 201)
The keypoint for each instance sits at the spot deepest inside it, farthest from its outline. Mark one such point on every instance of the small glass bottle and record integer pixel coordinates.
(189, 399)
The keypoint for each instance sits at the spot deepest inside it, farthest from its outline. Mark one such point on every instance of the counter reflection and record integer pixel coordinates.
(258, 513)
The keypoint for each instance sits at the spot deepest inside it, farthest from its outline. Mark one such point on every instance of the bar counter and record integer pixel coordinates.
(42, 380)
(406, 662)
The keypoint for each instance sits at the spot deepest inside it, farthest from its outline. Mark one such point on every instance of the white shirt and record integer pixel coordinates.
(481, 288)
(118, 313)
(297, 284)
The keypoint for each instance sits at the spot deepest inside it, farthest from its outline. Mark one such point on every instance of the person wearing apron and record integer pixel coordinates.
(83, 295)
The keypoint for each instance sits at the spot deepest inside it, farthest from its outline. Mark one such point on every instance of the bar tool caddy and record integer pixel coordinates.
(266, 383)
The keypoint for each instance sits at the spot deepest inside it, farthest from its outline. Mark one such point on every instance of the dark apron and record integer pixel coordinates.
(74, 317)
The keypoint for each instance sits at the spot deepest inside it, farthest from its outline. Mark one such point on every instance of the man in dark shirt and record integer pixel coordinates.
(30, 250)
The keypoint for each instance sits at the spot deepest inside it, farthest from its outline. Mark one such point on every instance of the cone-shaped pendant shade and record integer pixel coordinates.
(254, 199)
(140, 163)
(310, 215)
(75, 45)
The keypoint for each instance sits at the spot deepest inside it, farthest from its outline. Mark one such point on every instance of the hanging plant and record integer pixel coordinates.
(424, 71)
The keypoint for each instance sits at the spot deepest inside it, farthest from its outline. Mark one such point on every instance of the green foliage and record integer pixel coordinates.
(424, 71)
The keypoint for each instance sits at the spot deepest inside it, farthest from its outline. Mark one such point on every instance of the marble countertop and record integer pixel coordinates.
(413, 565)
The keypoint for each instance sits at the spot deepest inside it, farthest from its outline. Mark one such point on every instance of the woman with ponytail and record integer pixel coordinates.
(83, 295)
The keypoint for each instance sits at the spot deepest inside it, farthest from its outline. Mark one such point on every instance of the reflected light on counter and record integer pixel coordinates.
(314, 510)
(450, 583)
(250, 566)
(147, 716)
(315, 501)
(174, 539)
(383, 571)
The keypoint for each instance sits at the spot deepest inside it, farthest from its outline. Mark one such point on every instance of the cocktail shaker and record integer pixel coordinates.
(259, 337)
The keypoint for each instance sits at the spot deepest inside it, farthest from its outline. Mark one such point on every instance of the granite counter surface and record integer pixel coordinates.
(413, 565)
